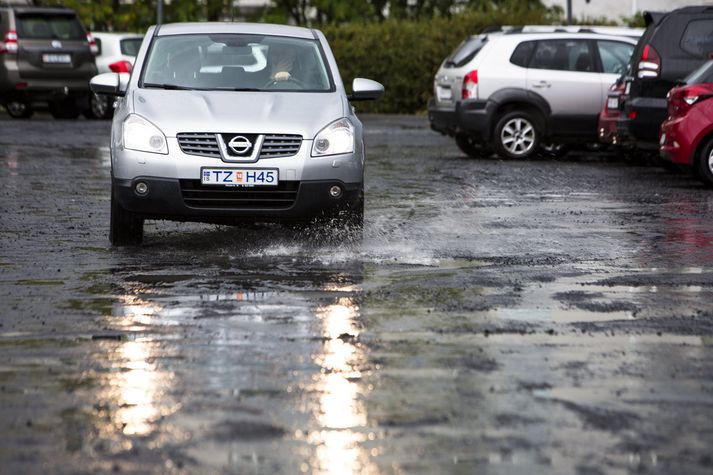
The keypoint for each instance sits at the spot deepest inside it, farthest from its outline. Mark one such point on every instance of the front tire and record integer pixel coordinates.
(19, 110)
(516, 135)
(125, 228)
(705, 164)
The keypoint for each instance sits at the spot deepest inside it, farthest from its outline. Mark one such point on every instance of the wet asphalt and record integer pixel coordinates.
(504, 317)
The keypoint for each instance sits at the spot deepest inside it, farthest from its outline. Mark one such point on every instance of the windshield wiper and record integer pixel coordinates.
(167, 86)
(239, 89)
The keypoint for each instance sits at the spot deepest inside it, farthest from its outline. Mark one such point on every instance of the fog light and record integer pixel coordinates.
(141, 188)
(335, 191)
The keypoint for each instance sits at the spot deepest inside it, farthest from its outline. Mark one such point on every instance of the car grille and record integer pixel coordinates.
(197, 195)
(203, 144)
(206, 145)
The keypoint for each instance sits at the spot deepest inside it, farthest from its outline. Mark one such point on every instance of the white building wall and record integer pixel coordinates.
(616, 9)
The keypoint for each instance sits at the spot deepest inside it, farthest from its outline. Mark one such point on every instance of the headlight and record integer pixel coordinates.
(336, 138)
(140, 134)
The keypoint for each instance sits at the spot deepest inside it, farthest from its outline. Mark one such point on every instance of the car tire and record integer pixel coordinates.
(704, 167)
(125, 227)
(19, 110)
(100, 107)
(516, 135)
(66, 109)
(472, 147)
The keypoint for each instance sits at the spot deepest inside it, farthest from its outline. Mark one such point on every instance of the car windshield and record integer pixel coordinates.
(49, 27)
(236, 62)
(704, 74)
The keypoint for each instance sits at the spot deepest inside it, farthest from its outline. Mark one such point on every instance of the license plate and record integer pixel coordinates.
(57, 58)
(662, 140)
(445, 93)
(239, 177)
(613, 103)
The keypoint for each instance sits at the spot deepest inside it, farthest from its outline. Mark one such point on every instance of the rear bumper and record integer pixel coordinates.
(607, 127)
(641, 121)
(471, 117)
(187, 200)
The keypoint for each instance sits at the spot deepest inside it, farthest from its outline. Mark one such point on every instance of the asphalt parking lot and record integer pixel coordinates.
(510, 317)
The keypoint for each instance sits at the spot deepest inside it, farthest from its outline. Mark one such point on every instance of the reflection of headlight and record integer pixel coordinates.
(337, 137)
(140, 134)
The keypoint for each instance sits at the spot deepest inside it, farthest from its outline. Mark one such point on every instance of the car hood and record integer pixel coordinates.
(245, 112)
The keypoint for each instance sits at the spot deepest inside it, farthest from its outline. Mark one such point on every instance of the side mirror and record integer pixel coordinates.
(112, 84)
(366, 90)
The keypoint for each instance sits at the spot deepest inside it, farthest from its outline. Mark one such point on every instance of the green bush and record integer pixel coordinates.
(404, 55)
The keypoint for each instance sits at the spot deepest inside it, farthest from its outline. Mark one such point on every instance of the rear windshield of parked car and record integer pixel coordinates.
(702, 75)
(130, 46)
(49, 27)
(697, 39)
(465, 52)
(235, 62)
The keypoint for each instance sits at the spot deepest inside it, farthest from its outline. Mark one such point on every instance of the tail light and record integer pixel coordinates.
(470, 85)
(9, 43)
(649, 63)
(121, 67)
(681, 99)
(92, 44)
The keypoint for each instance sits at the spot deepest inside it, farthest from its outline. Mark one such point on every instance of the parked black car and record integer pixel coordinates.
(673, 45)
(46, 56)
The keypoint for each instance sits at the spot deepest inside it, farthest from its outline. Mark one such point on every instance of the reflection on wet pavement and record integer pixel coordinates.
(497, 317)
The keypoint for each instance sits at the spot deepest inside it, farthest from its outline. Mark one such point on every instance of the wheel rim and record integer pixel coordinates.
(16, 108)
(518, 136)
(710, 160)
(99, 105)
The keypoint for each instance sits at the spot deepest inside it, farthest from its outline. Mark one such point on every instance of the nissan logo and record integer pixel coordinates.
(239, 144)
(56, 44)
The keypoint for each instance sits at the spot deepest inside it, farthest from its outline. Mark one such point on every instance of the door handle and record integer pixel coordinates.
(541, 84)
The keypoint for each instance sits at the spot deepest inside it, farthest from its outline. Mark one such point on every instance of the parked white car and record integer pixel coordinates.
(117, 52)
(515, 90)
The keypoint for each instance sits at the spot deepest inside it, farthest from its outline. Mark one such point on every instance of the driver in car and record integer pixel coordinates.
(281, 61)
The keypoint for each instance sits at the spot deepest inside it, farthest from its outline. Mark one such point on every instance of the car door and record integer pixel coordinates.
(564, 72)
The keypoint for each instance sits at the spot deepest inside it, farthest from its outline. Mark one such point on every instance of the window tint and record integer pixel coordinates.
(703, 74)
(563, 55)
(697, 39)
(130, 47)
(52, 27)
(523, 52)
(465, 52)
(231, 61)
(615, 56)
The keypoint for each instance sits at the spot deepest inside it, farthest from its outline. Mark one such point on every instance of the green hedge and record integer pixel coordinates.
(405, 55)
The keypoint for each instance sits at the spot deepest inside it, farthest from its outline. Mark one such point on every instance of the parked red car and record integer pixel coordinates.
(609, 116)
(687, 134)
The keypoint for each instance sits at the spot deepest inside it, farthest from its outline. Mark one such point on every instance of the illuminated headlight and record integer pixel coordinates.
(336, 138)
(140, 134)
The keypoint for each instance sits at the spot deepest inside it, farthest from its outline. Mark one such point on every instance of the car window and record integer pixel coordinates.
(130, 46)
(466, 51)
(563, 55)
(49, 27)
(702, 74)
(232, 61)
(614, 55)
(697, 39)
(522, 54)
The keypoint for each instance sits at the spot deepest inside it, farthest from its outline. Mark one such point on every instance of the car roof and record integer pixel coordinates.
(567, 35)
(244, 28)
(115, 34)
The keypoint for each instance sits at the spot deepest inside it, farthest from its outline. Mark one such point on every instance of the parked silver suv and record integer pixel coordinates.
(516, 90)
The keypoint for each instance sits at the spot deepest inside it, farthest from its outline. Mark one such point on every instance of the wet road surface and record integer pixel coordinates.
(509, 317)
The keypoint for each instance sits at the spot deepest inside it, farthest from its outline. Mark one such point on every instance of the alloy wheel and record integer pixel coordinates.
(518, 136)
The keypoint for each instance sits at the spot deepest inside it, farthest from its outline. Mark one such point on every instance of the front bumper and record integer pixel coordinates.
(472, 117)
(676, 142)
(187, 200)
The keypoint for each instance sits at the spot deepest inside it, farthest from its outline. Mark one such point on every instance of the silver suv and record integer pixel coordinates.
(517, 90)
(234, 122)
